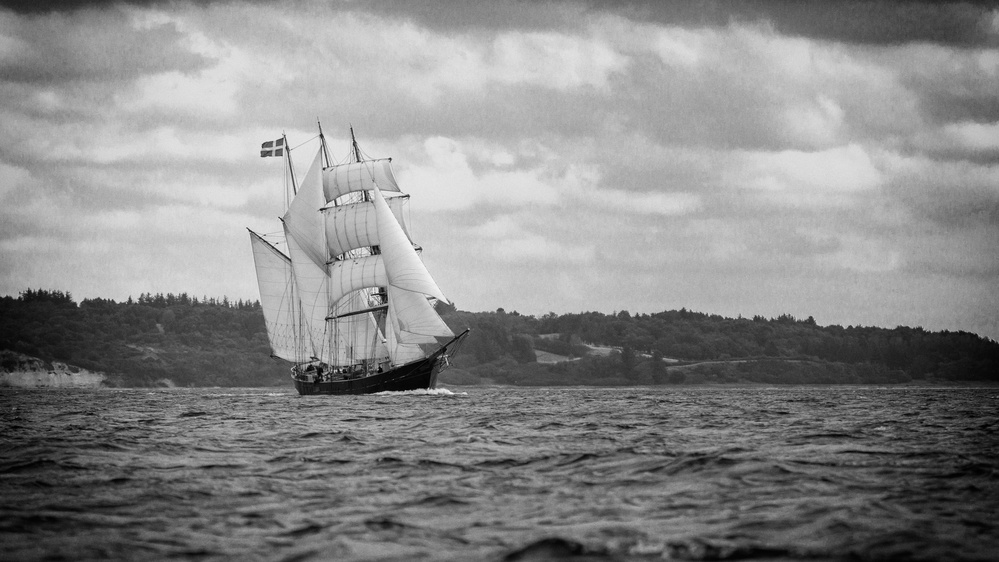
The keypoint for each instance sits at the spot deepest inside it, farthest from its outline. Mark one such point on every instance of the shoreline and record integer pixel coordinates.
(25, 371)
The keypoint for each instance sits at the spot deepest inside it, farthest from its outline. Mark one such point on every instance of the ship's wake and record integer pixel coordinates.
(421, 392)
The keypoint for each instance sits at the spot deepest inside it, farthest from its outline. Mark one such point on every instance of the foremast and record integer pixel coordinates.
(284, 316)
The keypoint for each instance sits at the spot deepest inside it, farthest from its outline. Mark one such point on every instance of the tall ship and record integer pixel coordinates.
(346, 297)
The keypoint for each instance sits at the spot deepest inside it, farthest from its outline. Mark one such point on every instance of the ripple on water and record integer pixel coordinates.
(501, 474)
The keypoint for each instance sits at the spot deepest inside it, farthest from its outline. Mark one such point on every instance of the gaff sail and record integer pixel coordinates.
(277, 299)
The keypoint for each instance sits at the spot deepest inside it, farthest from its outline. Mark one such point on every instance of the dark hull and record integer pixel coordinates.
(417, 375)
(412, 376)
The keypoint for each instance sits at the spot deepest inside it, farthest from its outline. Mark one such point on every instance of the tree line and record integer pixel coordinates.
(676, 346)
(220, 342)
(144, 341)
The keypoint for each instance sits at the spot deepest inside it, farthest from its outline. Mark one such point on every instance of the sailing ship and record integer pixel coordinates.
(348, 301)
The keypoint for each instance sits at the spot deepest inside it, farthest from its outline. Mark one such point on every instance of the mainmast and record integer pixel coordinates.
(377, 297)
(375, 250)
(326, 152)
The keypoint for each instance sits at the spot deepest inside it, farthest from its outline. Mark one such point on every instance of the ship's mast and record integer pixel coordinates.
(322, 141)
(297, 314)
(335, 335)
(291, 168)
(353, 142)
(378, 299)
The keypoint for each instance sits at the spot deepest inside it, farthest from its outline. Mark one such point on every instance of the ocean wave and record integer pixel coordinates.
(500, 474)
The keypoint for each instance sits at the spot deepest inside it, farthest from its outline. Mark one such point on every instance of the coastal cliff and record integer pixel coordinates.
(24, 371)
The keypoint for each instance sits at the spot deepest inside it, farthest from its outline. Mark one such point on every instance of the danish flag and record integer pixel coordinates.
(272, 148)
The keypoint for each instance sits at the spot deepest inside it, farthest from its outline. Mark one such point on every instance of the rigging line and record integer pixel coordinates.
(304, 143)
(345, 160)
(367, 157)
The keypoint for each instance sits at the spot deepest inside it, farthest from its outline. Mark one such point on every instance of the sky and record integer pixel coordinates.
(835, 159)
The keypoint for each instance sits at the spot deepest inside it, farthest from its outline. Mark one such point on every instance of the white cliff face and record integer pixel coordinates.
(30, 372)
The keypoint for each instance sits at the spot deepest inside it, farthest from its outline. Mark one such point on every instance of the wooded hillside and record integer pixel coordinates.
(691, 347)
(188, 341)
(216, 342)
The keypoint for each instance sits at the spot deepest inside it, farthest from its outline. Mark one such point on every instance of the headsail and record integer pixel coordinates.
(411, 319)
(404, 268)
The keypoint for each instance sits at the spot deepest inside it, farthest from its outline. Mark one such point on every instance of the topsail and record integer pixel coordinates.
(355, 177)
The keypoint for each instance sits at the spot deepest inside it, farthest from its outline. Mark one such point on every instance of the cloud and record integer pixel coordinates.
(948, 84)
(62, 47)
(400, 58)
(654, 203)
(554, 60)
(507, 241)
(207, 95)
(857, 253)
(441, 176)
(745, 86)
(973, 136)
(589, 186)
(12, 177)
(952, 194)
(890, 22)
(964, 140)
(807, 177)
(816, 122)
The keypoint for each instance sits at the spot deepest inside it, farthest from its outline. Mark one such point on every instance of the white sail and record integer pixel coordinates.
(403, 266)
(353, 226)
(358, 176)
(411, 321)
(357, 337)
(276, 296)
(399, 351)
(305, 231)
(353, 274)
(303, 218)
(312, 284)
(416, 320)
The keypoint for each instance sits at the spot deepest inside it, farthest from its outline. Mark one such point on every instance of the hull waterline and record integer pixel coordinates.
(413, 376)
(418, 375)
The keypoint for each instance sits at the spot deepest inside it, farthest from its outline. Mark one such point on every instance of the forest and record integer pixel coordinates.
(217, 342)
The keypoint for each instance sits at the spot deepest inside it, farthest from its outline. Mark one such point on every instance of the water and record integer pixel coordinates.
(858, 473)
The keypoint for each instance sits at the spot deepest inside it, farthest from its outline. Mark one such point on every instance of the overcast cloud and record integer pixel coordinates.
(832, 159)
